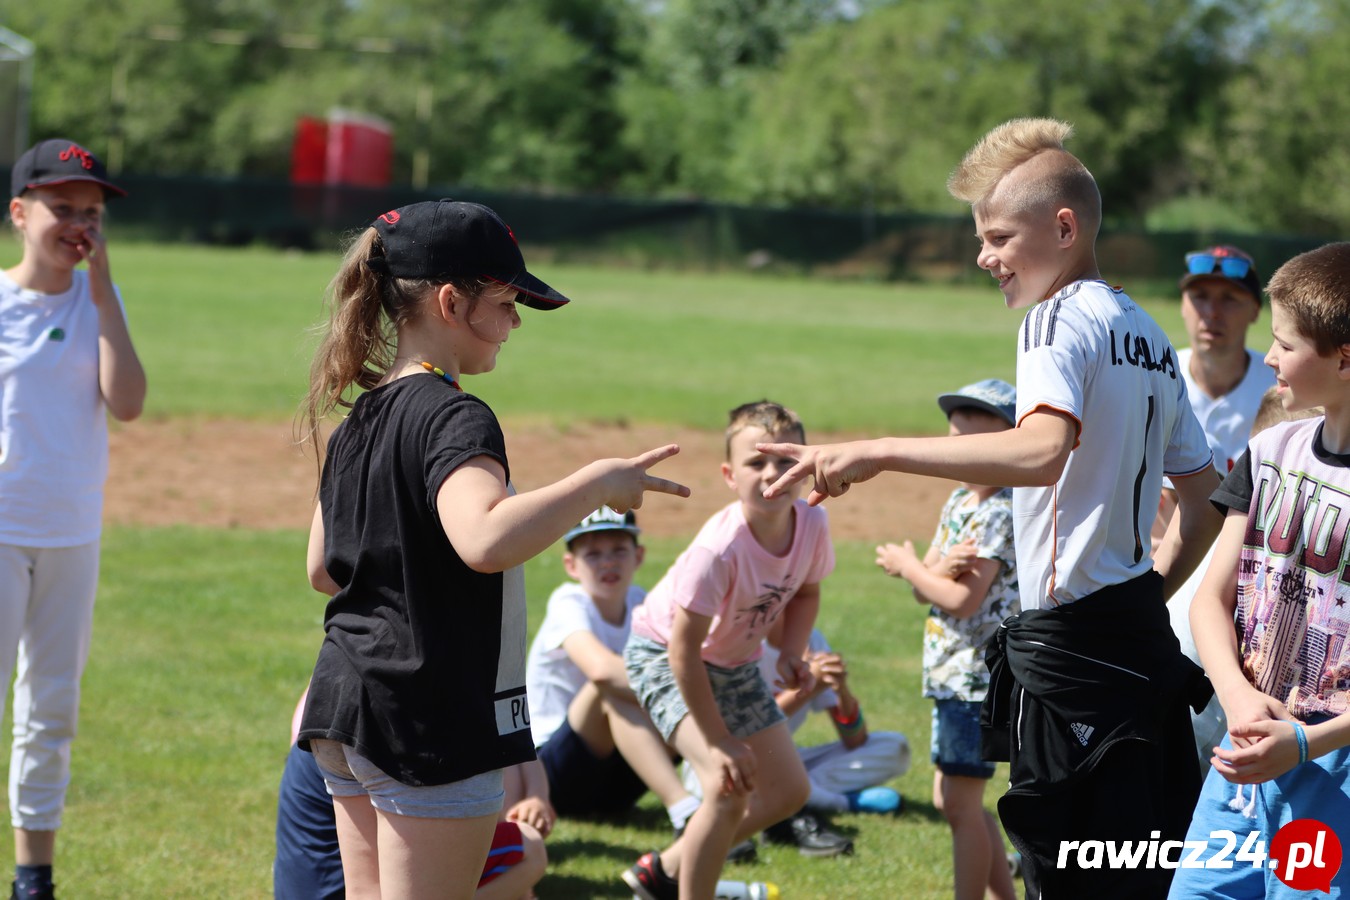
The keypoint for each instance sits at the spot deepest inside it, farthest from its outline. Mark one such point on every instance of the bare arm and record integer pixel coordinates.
(959, 596)
(733, 757)
(319, 578)
(1192, 530)
(601, 666)
(493, 531)
(1033, 453)
(121, 378)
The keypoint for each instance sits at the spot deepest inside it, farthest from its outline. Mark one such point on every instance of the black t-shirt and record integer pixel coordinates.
(422, 668)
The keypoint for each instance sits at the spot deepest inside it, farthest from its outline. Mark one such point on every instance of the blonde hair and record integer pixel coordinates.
(1314, 289)
(1050, 174)
(776, 420)
(1272, 412)
(366, 307)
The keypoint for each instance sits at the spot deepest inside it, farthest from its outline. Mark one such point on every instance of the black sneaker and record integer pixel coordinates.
(48, 893)
(810, 837)
(649, 881)
(744, 852)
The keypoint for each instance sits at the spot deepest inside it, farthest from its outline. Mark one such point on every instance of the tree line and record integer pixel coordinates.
(826, 103)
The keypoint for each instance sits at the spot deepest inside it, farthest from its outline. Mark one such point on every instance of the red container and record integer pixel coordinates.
(360, 150)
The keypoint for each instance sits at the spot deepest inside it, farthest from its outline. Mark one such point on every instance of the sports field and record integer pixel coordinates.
(206, 628)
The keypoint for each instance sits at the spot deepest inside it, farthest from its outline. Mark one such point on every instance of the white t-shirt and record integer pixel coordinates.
(551, 678)
(53, 427)
(768, 667)
(1091, 352)
(1227, 420)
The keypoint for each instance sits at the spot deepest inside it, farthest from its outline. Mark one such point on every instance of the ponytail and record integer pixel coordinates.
(366, 306)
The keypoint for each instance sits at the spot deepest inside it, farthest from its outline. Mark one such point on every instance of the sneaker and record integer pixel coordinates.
(810, 837)
(35, 894)
(649, 881)
(744, 852)
(875, 800)
(1015, 864)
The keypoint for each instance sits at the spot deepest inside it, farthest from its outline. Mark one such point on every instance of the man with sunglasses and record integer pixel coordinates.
(1220, 299)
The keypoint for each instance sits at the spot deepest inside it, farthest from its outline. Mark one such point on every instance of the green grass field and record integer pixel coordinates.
(204, 639)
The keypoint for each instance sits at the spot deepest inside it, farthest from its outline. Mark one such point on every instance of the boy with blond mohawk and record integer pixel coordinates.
(1280, 565)
(1089, 677)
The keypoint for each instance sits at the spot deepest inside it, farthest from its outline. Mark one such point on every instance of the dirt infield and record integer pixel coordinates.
(240, 474)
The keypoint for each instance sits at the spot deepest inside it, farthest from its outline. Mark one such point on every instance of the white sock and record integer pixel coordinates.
(681, 810)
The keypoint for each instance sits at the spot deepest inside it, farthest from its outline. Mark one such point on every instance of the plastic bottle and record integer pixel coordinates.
(746, 890)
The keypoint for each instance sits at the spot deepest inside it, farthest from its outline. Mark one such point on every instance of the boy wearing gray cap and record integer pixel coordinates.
(969, 600)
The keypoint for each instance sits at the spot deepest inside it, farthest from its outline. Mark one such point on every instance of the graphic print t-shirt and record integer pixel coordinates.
(727, 575)
(953, 649)
(1293, 585)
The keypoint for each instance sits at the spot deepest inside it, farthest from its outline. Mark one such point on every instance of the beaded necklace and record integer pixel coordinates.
(441, 373)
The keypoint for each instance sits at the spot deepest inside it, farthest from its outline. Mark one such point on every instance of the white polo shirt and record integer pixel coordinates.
(1091, 352)
(53, 427)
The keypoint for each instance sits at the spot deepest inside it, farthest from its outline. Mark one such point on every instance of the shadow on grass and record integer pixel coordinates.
(559, 851)
(576, 886)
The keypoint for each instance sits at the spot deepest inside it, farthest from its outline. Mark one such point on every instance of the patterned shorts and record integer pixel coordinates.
(745, 701)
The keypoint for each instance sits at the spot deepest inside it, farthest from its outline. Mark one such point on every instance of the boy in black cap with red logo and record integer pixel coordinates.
(66, 361)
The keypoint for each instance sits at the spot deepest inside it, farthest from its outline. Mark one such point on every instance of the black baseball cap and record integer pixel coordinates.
(457, 239)
(59, 161)
(1223, 263)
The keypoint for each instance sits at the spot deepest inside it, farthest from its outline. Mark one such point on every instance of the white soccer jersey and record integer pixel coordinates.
(1091, 352)
(1227, 420)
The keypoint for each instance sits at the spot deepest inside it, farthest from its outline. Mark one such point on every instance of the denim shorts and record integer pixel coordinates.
(744, 700)
(349, 774)
(956, 739)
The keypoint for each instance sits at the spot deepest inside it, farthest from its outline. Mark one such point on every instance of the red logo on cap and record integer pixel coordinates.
(513, 235)
(391, 217)
(86, 160)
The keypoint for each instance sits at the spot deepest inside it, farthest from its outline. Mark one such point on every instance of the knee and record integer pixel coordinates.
(534, 855)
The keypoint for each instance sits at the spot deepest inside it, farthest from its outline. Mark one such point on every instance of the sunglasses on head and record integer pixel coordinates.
(1208, 264)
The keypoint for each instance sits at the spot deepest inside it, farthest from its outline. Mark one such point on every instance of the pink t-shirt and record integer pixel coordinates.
(727, 575)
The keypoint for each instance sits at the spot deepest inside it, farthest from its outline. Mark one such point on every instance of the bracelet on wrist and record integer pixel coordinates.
(1302, 737)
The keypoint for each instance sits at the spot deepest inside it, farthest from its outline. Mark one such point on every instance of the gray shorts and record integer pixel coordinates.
(349, 774)
(745, 701)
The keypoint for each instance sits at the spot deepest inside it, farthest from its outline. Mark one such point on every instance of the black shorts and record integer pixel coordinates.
(582, 784)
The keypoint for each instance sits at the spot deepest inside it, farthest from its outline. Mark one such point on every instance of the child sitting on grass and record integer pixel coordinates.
(598, 746)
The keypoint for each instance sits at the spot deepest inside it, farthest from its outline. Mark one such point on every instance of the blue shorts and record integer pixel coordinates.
(581, 783)
(349, 774)
(308, 865)
(744, 700)
(1319, 789)
(956, 739)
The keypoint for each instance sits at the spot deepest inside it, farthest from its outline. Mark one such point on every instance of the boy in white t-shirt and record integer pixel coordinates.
(693, 656)
(1103, 747)
(598, 748)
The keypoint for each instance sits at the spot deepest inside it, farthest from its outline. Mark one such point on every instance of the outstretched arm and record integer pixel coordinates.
(1033, 453)
(492, 530)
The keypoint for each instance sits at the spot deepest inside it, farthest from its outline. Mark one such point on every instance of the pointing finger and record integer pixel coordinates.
(664, 486)
(789, 478)
(652, 457)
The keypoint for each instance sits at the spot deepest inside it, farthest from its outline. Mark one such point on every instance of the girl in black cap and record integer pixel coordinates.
(66, 361)
(418, 695)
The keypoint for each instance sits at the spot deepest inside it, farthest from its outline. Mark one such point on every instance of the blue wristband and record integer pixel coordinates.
(1302, 737)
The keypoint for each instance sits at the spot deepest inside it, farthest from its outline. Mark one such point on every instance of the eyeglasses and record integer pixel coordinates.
(1208, 264)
